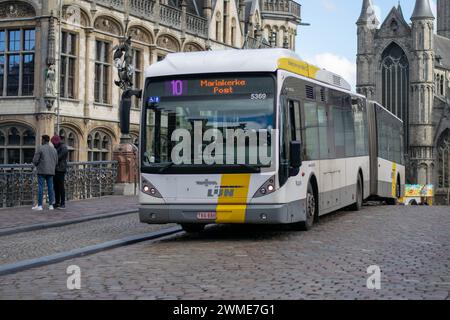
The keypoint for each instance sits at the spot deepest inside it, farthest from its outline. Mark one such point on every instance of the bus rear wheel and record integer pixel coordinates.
(359, 196)
(192, 227)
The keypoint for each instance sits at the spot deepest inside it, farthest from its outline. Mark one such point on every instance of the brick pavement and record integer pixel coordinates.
(21, 216)
(410, 244)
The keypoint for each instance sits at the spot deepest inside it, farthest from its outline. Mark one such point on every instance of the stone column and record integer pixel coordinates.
(127, 183)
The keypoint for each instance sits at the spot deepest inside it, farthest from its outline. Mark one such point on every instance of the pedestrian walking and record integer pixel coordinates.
(45, 160)
(60, 172)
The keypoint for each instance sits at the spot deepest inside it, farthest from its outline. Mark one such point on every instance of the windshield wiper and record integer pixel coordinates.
(167, 166)
(250, 168)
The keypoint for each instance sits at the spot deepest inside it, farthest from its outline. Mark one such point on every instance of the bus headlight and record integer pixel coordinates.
(267, 188)
(150, 189)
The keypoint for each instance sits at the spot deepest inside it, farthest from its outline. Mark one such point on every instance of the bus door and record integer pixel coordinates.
(338, 156)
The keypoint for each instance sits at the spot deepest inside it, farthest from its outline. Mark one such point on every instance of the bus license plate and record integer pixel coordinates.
(206, 216)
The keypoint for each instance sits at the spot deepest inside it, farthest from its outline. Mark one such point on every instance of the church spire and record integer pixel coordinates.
(368, 15)
(422, 10)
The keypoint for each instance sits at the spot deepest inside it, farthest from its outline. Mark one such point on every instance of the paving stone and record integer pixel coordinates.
(329, 262)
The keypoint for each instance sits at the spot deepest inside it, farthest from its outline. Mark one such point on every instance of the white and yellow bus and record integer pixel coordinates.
(325, 147)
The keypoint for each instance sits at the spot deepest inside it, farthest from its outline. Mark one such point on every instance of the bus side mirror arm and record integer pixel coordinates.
(125, 108)
(295, 158)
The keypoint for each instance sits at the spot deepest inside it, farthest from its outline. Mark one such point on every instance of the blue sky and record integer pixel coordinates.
(330, 41)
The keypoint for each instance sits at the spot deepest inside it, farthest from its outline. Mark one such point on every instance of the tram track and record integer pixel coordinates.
(48, 225)
(88, 250)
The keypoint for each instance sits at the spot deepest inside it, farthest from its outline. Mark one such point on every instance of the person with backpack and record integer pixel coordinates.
(60, 172)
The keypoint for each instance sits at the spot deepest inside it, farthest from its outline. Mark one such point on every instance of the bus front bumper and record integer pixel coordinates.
(254, 214)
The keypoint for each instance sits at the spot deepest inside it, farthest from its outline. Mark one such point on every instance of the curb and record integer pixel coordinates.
(48, 225)
(59, 257)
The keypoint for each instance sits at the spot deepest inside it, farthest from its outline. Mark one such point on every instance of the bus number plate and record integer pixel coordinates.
(206, 216)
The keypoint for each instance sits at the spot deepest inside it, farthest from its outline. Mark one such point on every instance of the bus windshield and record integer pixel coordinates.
(208, 122)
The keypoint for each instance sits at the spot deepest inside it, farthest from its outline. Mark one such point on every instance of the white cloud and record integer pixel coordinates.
(337, 64)
(329, 5)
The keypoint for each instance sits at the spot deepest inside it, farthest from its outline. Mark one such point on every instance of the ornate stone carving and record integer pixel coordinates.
(50, 79)
(141, 35)
(192, 47)
(16, 9)
(167, 42)
(75, 16)
(107, 25)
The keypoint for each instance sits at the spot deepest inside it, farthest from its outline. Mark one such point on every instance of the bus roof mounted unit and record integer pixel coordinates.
(251, 60)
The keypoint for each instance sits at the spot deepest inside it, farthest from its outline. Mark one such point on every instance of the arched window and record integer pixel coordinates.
(443, 150)
(395, 83)
(71, 143)
(17, 144)
(99, 146)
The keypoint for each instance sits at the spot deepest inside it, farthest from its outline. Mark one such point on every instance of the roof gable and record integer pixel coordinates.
(394, 25)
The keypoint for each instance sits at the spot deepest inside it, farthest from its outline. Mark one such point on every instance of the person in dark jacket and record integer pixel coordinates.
(61, 169)
(45, 160)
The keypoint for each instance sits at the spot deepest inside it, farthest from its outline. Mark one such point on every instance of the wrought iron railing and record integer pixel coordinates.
(84, 180)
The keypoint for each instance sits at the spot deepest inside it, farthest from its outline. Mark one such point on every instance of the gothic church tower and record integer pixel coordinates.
(422, 92)
(367, 26)
(443, 19)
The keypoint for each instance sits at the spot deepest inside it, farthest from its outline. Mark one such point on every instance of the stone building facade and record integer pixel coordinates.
(58, 74)
(406, 67)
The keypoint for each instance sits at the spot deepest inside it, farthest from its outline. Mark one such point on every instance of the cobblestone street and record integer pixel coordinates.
(411, 245)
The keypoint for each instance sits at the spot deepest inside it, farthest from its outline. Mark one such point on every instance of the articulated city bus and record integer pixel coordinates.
(298, 143)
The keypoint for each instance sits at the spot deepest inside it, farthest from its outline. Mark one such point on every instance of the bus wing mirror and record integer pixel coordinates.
(296, 155)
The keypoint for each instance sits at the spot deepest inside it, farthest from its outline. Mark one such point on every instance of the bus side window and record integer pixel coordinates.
(349, 127)
(322, 118)
(294, 113)
(339, 136)
(360, 118)
(310, 132)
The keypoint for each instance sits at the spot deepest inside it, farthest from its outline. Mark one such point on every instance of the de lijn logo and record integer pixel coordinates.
(222, 192)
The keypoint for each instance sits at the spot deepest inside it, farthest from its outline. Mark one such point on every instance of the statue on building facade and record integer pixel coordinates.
(123, 60)
(50, 80)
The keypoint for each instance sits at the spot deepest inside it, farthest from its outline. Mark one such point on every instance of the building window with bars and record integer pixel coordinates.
(68, 65)
(99, 146)
(17, 62)
(102, 85)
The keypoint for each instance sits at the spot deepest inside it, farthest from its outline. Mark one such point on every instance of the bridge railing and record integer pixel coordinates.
(84, 180)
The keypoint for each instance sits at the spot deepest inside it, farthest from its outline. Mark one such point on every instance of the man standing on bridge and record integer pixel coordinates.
(45, 159)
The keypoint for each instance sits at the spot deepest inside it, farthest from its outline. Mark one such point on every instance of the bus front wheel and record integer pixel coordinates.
(311, 206)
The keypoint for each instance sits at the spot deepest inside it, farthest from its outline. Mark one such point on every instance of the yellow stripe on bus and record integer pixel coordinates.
(299, 67)
(394, 180)
(231, 209)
